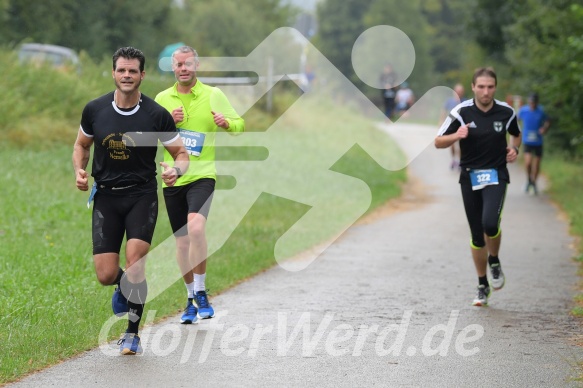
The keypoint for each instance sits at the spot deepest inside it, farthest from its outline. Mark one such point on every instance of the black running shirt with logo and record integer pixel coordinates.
(125, 143)
(485, 146)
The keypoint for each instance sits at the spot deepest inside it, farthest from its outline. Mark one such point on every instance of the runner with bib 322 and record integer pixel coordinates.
(481, 126)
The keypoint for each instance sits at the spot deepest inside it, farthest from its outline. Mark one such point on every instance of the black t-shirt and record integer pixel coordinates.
(125, 142)
(485, 146)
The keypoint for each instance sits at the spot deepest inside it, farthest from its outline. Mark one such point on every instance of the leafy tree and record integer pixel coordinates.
(3, 21)
(120, 23)
(411, 21)
(37, 20)
(447, 29)
(490, 18)
(545, 49)
(228, 27)
(340, 24)
(98, 27)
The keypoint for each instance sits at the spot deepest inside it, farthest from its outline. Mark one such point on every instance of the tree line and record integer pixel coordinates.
(226, 27)
(535, 45)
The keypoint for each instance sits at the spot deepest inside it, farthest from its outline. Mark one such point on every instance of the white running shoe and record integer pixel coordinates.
(498, 279)
(482, 296)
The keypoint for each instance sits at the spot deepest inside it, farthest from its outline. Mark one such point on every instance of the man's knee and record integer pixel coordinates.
(106, 278)
(492, 231)
(196, 226)
(478, 241)
(477, 244)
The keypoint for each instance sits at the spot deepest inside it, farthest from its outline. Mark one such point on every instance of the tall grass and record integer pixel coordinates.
(42, 104)
(566, 179)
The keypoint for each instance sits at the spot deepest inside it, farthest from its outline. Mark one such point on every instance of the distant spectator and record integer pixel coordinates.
(388, 79)
(450, 104)
(309, 77)
(404, 98)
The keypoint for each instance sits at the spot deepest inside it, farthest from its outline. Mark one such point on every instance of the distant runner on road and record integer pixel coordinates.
(480, 125)
(535, 124)
(459, 96)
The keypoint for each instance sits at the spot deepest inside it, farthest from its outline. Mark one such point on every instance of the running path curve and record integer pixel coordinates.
(388, 304)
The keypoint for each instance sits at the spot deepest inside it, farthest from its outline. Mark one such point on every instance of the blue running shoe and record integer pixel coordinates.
(129, 344)
(205, 310)
(119, 303)
(189, 315)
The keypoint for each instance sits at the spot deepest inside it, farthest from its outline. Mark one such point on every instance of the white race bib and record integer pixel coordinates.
(483, 178)
(193, 141)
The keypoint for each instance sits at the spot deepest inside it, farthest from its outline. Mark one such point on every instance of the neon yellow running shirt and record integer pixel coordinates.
(198, 123)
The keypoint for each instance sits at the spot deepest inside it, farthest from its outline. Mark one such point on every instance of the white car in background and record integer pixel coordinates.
(60, 57)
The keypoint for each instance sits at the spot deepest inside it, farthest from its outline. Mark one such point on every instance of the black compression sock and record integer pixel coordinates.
(134, 317)
(493, 260)
(120, 273)
(483, 281)
(136, 295)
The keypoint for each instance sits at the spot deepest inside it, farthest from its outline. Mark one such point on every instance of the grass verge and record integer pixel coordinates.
(566, 180)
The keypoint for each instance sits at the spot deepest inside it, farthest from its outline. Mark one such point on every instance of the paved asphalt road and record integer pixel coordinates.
(388, 304)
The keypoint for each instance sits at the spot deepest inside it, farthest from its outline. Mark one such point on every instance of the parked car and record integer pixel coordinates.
(59, 56)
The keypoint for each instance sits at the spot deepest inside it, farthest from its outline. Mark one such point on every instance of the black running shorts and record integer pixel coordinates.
(535, 150)
(195, 197)
(115, 215)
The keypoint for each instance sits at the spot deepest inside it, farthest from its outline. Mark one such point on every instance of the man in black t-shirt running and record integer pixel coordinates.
(481, 126)
(124, 128)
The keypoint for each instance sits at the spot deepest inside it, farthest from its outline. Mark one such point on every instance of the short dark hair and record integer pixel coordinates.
(484, 71)
(129, 53)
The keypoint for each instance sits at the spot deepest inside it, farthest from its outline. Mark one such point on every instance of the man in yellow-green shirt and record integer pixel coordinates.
(198, 110)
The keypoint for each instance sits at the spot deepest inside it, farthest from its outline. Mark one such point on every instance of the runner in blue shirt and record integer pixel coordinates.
(535, 125)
